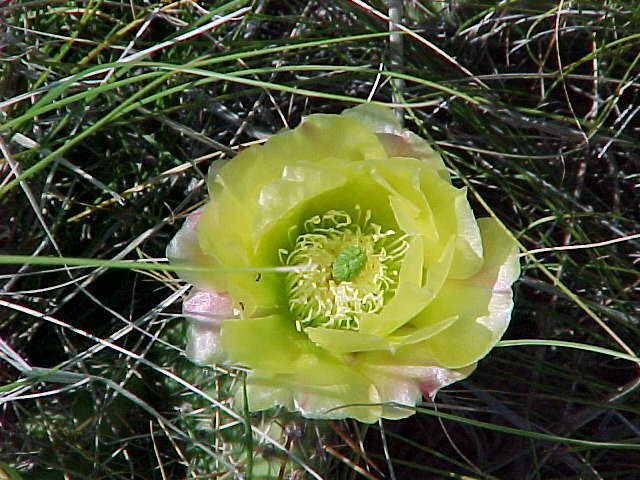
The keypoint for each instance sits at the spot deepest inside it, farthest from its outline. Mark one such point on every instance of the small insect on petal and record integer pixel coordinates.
(348, 263)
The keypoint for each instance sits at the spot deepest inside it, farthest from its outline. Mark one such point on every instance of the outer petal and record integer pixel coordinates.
(222, 230)
(330, 389)
(439, 377)
(403, 377)
(396, 141)
(268, 344)
(454, 218)
(468, 256)
(206, 310)
(185, 249)
(267, 391)
(482, 302)
(322, 136)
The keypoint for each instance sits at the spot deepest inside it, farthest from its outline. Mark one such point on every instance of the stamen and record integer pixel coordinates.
(346, 269)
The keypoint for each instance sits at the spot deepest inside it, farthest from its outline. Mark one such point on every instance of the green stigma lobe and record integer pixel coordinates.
(348, 263)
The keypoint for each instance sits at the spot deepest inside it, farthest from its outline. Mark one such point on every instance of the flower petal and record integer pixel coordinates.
(404, 376)
(437, 270)
(233, 248)
(409, 334)
(396, 141)
(206, 310)
(410, 297)
(401, 178)
(269, 344)
(329, 390)
(345, 341)
(482, 302)
(322, 136)
(437, 377)
(376, 118)
(267, 391)
(468, 256)
(256, 294)
(280, 203)
(184, 249)
(453, 217)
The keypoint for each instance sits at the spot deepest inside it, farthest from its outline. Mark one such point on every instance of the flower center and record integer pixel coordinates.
(348, 263)
(352, 269)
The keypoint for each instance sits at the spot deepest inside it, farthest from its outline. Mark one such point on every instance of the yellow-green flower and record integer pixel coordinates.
(387, 287)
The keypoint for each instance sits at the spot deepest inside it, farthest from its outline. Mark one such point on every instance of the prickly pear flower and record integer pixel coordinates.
(376, 284)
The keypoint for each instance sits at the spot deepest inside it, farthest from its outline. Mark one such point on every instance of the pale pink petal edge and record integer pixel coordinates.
(206, 310)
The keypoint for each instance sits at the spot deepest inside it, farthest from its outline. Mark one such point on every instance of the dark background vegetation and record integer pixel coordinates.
(534, 105)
